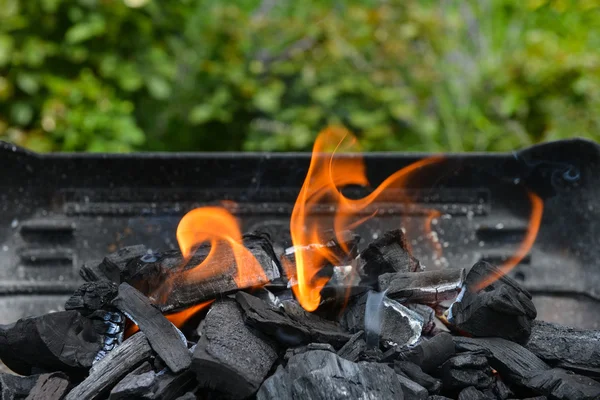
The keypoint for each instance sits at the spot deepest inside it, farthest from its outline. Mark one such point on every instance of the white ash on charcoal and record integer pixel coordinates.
(385, 321)
(430, 287)
(388, 254)
(229, 357)
(574, 349)
(289, 324)
(323, 375)
(501, 309)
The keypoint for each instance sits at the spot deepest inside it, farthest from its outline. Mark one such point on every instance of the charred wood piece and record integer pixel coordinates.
(465, 370)
(114, 265)
(61, 341)
(416, 374)
(574, 349)
(229, 357)
(162, 276)
(513, 361)
(563, 385)
(428, 354)
(16, 387)
(135, 386)
(324, 375)
(93, 296)
(388, 254)
(388, 321)
(52, 386)
(354, 347)
(107, 372)
(502, 309)
(309, 347)
(425, 287)
(289, 324)
(411, 389)
(471, 393)
(171, 386)
(164, 338)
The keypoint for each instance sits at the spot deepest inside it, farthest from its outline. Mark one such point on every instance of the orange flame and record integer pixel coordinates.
(326, 176)
(219, 227)
(535, 220)
(177, 318)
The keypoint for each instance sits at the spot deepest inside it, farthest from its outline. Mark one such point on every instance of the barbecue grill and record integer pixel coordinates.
(58, 211)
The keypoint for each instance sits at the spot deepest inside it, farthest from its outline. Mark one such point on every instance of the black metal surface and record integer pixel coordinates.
(60, 210)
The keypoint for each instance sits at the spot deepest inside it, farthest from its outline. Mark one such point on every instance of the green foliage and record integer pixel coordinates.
(122, 75)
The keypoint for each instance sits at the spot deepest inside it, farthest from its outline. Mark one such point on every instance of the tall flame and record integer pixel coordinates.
(326, 176)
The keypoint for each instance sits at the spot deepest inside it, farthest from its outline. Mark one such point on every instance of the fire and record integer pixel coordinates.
(327, 175)
(535, 220)
(178, 318)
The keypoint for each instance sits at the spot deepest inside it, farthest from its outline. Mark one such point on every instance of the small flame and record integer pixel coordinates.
(326, 176)
(535, 220)
(177, 318)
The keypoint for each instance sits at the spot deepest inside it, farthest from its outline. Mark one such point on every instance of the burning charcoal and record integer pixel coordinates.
(502, 309)
(171, 386)
(416, 374)
(574, 349)
(424, 287)
(388, 254)
(92, 296)
(352, 350)
(61, 341)
(323, 375)
(140, 382)
(165, 339)
(52, 386)
(389, 321)
(334, 247)
(291, 324)
(111, 369)
(514, 362)
(471, 393)
(162, 276)
(16, 387)
(411, 389)
(466, 370)
(560, 384)
(428, 354)
(114, 266)
(229, 357)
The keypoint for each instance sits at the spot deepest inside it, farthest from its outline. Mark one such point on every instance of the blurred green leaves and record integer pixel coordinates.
(123, 75)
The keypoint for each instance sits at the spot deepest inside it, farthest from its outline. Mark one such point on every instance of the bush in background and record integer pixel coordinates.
(123, 75)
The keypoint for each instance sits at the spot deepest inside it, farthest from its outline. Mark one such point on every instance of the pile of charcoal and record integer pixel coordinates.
(386, 328)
